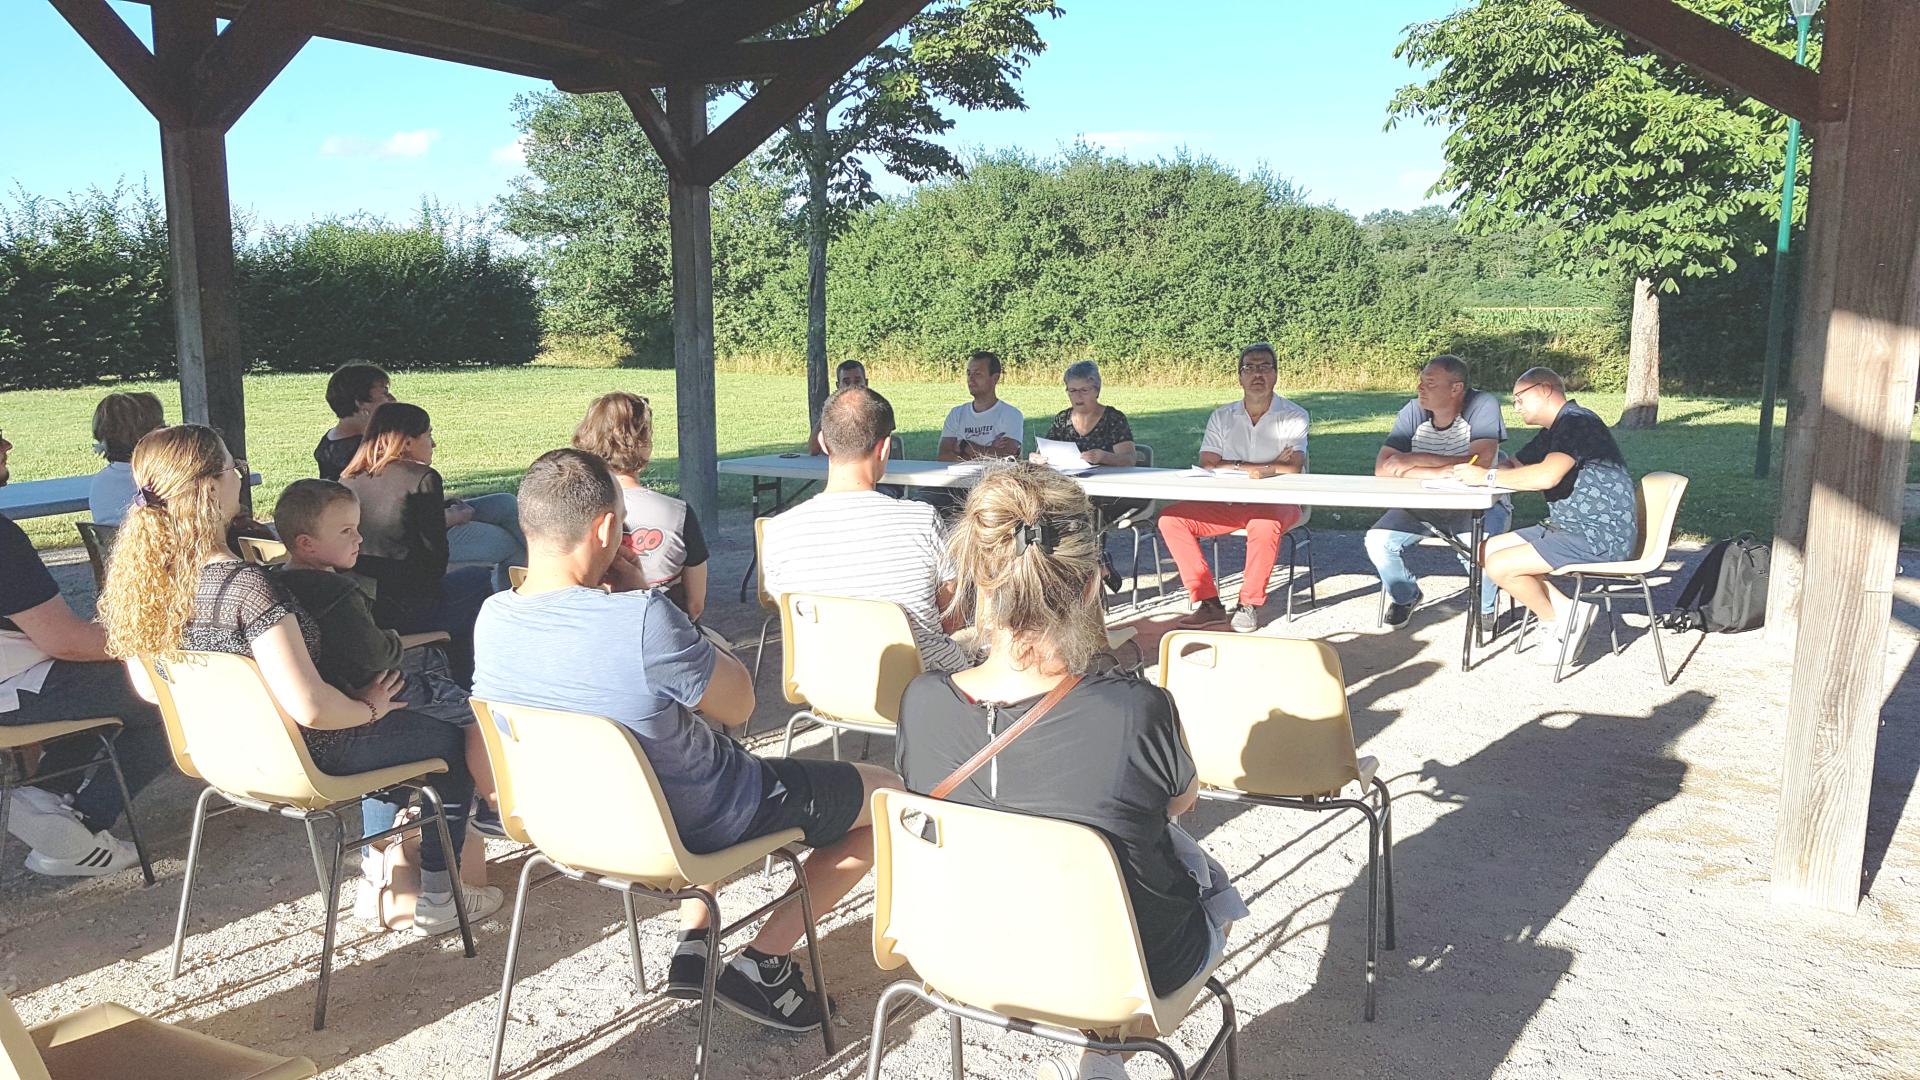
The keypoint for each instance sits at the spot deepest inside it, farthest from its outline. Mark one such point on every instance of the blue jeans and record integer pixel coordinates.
(1398, 530)
(77, 690)
(493, 536)
(395, 739)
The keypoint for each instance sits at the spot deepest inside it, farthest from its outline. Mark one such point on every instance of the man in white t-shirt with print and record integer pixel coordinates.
(985, 426)
(1262, 435)
(850, 540)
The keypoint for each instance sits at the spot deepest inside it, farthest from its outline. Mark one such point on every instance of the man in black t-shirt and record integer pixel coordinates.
(54, 666)
(1593, 505)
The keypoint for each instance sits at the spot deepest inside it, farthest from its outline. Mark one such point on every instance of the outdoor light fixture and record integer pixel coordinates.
(1777, 310)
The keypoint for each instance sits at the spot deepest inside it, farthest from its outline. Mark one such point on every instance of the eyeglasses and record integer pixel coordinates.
(1522, 391)
(1258, 367)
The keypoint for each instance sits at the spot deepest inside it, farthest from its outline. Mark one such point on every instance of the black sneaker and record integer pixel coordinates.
(768, 990)
(1398, 613)
(687, 971)
(1108, 574)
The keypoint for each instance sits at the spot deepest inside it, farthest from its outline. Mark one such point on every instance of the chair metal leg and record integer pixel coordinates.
(126, 802)
(330, 898)
(1373, 901)
(6, 799)
(835, 735)
(1293, 556)
(186, 883)
(513, 956)
(813, 945)
(439, 814)
(315, 849)
(876, 1046)
(708, 982)
(1165, 1053)
(1653, 631)
(633, 944)
(1386, 853)
(956, 1048)
(1566, 632)
(1613, 627)
(766, 627)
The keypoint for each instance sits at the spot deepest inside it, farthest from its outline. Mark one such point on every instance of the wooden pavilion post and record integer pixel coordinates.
(690, 220)
(1869, 267)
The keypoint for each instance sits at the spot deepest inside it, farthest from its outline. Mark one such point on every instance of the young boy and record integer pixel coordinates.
(353, 392)
(319, 521)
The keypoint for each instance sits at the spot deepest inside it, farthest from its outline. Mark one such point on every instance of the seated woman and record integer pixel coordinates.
(1109, 755)
(173, 586)
(1104, 438)
(662, 532)
(403, 530)
(119, 422)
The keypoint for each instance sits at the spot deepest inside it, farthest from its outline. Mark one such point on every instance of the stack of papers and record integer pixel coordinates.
(1062, 456)
(964, 468)
(1224, 471)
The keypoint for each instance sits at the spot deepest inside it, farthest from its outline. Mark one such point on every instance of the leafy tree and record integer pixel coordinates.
(964, 53)
(1636, 167)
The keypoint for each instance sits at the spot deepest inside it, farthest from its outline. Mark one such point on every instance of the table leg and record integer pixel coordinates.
(1473, 590)
(753, 515)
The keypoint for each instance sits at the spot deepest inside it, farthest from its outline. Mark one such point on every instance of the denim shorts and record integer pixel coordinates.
(1559, 547)
(820, 798)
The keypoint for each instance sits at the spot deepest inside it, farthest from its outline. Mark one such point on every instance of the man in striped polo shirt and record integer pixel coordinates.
(850, 540)
(1448, 423)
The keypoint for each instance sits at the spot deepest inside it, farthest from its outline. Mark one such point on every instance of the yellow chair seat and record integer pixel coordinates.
(13, 738)
(103, 1041)
(332, 790)
(715, 866)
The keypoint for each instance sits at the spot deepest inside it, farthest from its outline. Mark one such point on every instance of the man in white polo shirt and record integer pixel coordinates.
(985, 426)
(1261, 435)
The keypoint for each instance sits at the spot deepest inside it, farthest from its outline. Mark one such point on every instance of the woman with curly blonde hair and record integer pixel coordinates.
(1109, 753)
(661, 531)
(174, 587)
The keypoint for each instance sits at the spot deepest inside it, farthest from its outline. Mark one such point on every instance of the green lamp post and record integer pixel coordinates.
(1782, 263)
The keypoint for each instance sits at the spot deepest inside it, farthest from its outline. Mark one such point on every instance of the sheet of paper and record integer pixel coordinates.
(1062, 455)
(1445, 485)
(1234, 473)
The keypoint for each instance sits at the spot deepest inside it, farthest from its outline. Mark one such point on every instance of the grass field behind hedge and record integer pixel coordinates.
(490, 423)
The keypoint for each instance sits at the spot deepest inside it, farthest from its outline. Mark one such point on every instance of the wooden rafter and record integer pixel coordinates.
(716, 22)
(247, 56)
(125, 55)
(663, 135)
(1718, 53)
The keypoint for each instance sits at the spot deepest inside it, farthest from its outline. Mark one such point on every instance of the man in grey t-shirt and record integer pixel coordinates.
(1446, 424)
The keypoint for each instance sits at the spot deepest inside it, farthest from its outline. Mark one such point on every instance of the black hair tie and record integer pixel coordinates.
(1044, 535)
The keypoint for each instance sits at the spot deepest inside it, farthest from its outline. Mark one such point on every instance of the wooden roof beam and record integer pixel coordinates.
(711, 65)
(567, 35)
(108, 35)
(716, 22)
(247, 56)
(1720, 54)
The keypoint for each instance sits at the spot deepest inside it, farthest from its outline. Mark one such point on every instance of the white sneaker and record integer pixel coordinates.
(104, 854)
(482, 901)
(366, 902)
(1578, 625)
(1090, 1065)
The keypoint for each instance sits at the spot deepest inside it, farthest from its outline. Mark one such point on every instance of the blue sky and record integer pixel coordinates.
(1299, 87)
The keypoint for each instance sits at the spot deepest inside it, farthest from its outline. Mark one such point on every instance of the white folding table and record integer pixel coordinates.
(62, 495)
(770, 472)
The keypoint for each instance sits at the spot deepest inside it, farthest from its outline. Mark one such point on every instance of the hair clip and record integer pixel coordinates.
(146, 496)
(1044, 535)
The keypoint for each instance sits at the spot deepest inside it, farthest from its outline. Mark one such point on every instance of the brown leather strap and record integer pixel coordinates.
(1000, 741)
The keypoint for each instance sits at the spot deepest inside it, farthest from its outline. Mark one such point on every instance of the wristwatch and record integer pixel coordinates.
(1491, 473)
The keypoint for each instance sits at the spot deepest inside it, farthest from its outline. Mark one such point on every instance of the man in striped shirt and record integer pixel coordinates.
(850, 540)
(1448, 423)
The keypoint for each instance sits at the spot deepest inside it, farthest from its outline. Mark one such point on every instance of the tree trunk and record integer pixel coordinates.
(818, 385)
(1643, 359)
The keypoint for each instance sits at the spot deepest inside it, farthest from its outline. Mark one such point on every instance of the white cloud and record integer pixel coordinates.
(514, 153)
(1130, 140)
(400, 144)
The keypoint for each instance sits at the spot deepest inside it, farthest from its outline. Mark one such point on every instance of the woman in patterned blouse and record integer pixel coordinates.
(1104, 438)
(173, 587)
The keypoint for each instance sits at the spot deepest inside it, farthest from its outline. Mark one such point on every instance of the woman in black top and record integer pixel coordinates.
(1110, 755)
(1104, 438)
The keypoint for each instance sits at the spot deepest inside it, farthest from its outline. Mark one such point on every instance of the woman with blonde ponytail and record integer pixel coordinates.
(1107, 754)
(173, 586)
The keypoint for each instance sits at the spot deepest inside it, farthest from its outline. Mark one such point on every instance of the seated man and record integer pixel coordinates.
(54, 666)
(1262, 435)
(1448, 423)
(561, 642)
(985, 426)
(1590, 496)
(353, 392)
(850, 540)
(849, 373)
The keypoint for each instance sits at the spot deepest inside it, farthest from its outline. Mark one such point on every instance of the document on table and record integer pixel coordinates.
(1062, 456)
(1450, 484)
(1238, 474)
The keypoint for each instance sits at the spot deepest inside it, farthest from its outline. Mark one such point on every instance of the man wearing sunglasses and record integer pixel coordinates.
(1590, 498)
(54, 666)
(1261, 435)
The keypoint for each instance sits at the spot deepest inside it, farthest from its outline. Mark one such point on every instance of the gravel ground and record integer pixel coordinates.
(1581, 873)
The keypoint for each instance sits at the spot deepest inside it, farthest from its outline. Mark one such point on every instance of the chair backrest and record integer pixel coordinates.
(1143, 455)
(240, 740)
(847, 659)
(547, 758)
(1264, 715)
(99, 541)
(22, 1059)
(503, 793)
(1023, 915)
(1659, 505)
(896, 450)
(768, 602)
(516, 576)
(262, 552)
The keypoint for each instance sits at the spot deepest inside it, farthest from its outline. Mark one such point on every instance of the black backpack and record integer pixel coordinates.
(1728, 590)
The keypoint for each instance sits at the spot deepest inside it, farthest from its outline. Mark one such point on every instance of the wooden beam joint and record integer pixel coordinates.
(1720, 54)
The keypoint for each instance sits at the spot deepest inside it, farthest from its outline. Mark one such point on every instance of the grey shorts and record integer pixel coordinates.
(1560, 547)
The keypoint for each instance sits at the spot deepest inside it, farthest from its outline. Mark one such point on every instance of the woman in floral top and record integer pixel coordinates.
(173, 587)
(1104, 438)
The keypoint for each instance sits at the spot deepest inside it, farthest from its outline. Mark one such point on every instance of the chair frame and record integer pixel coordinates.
(1605, 587)
(835, 725)
(98, 540)
(1225, 1040)
(106, 729)
(328, 871)
(1292, 541)
(628, 890)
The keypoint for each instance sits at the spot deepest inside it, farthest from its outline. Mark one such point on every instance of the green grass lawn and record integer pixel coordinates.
(490, 423)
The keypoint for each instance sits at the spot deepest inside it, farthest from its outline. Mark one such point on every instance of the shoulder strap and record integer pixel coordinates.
(1001, 741)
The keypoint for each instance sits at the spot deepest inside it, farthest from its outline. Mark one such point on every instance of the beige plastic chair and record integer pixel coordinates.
(1293, 543)
(846, 663)
(1140, 524)
(516, 576)
(15, 740)
(1070, 964)
(99, 543)
(624, 838)
(1266, 721)
(261, 552)
(1657, 507)
(109, 1042)
(769, 604)
(251, 753)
